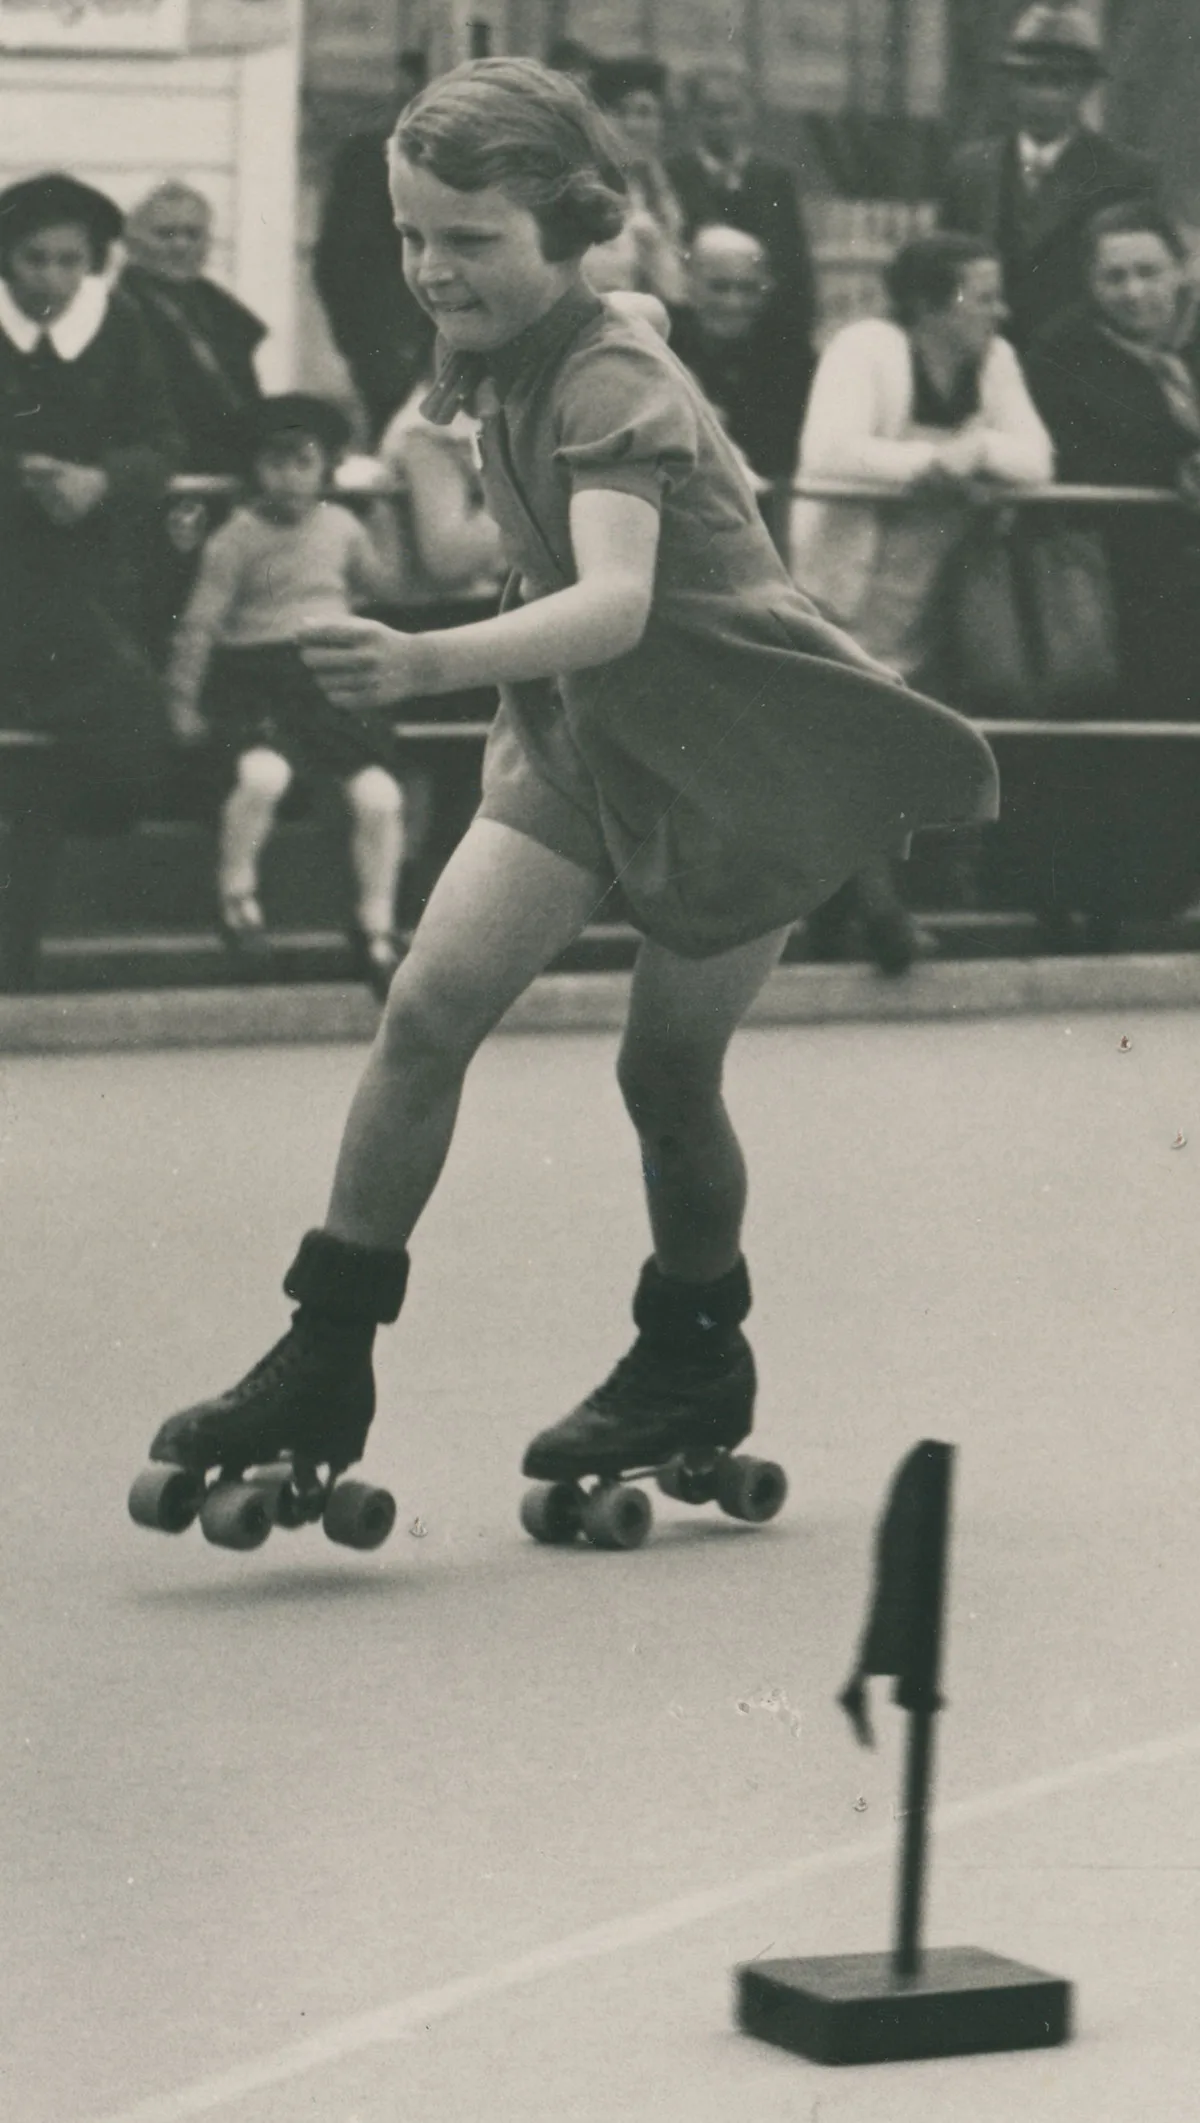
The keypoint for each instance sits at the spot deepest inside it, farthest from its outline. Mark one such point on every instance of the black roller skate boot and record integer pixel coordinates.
(305, 1406)
(675, 1406)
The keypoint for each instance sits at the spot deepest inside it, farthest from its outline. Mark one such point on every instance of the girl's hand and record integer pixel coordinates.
(66, 492)
(360, 664)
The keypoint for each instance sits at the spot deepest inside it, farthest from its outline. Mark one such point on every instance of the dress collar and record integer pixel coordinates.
(69, 334)
(461, 377)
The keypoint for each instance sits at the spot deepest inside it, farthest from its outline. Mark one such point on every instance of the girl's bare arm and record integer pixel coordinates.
(600, 617)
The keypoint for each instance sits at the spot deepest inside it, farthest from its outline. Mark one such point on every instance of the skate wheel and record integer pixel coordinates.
(688, 1485)
(166, 1498)
(552, 1513)
(615, 1517)
(276, 1488)
(750, 1489)
(358, 1516)
(235, 1515)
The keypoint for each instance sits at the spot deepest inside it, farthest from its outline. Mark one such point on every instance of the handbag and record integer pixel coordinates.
(1030, 627)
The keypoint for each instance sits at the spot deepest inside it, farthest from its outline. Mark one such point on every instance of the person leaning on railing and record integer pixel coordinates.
(930, 404)
(1117, 380)
(730, 337)
(87, 441)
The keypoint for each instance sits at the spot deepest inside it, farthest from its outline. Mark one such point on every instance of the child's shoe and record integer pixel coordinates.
(377, 955)
(242, 926)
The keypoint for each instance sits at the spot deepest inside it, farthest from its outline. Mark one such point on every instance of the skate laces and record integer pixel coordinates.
(270, 1369)
(643, 1381)
(297, 1347)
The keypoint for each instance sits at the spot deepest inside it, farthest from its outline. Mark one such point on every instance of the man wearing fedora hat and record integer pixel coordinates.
(1031, 189)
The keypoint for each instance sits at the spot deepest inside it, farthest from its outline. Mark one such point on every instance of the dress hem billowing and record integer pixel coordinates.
(737, 765)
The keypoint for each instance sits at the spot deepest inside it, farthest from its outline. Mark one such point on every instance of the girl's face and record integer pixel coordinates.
(1136, 283)
(474, 259)
(47, 270)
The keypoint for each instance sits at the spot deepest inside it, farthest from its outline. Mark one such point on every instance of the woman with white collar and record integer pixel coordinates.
(87, 441)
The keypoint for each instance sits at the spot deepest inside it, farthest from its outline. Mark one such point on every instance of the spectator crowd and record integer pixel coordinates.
(1045, 329)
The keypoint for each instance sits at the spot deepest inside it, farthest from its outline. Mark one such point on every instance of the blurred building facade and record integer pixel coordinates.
(125, 93)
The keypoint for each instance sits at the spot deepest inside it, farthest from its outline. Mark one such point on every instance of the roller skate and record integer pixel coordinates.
(271, 1451)
(675, 1407)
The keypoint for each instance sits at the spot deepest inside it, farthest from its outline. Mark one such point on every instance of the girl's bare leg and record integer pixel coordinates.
(688, 1383)
(683, 1014)
(502, 910)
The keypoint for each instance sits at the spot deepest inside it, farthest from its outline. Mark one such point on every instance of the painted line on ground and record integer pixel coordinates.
(407, 2017)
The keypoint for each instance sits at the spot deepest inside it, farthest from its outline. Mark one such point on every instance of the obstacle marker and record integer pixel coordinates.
(874, 2008)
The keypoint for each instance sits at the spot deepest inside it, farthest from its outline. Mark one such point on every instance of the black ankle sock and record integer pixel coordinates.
(343, 1281)
(691, 1319)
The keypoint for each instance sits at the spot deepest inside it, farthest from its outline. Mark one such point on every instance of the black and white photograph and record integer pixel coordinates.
(600, 1060)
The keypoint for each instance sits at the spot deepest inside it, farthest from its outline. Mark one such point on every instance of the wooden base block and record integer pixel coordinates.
(853, 2009)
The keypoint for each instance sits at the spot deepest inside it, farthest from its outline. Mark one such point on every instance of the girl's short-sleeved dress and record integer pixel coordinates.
(736, 767)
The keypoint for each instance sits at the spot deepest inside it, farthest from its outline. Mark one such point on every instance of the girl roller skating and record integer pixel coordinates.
(674, 714)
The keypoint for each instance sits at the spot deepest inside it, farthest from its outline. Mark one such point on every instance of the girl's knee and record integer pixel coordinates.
(375, 794)
(430, 1022)
(664, 1083)
(263, 773)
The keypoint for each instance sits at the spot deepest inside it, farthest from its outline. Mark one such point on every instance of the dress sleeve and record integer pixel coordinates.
(626, 421)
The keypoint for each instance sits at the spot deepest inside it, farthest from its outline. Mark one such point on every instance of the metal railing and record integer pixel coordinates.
(203, 486)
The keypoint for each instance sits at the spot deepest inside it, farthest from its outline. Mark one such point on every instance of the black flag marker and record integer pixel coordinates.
(944, 2001)
(903, 1630)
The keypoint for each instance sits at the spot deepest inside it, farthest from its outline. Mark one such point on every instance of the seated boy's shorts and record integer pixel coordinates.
(268, 696)
(535, 781)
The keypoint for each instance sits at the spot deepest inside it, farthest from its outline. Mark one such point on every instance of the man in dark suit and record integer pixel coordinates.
(377, 325)
(1032, 189)
(725, 335)
(722, 178)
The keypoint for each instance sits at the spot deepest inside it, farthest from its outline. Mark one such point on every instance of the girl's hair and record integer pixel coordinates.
(532, 133)
(926, 274)
(1131, 218)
